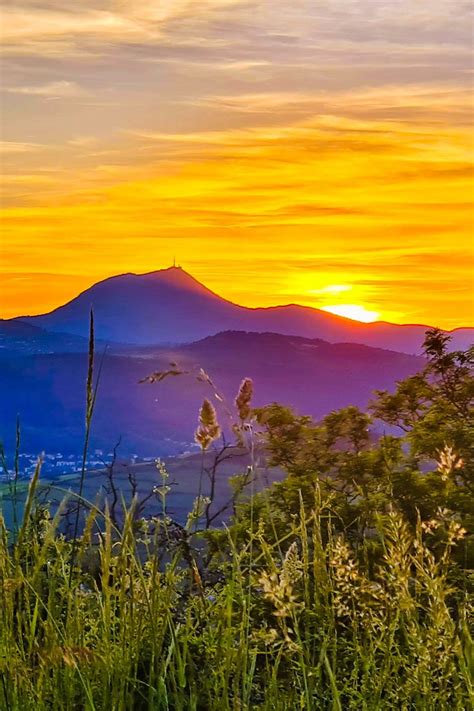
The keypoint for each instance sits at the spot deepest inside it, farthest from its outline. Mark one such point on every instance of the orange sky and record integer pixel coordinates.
(319, 153)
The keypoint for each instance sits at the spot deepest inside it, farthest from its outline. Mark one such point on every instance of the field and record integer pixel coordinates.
(184, 476)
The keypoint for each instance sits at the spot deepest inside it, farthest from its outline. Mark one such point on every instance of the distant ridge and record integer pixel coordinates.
(170, 306)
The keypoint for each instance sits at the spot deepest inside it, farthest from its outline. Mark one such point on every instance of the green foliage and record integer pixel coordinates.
(430, 468)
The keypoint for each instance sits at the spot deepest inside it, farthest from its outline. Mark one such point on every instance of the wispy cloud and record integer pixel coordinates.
(413, 102)
(10, 147)
(59, 28)
(54, 89)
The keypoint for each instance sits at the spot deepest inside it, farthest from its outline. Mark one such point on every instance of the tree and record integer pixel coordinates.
(422, 466)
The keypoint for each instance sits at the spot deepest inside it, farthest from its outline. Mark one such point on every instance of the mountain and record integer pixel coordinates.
(171, 307)
(313, 376)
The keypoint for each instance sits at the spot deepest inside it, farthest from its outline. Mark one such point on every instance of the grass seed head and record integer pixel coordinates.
(208, 429)
(244, 398)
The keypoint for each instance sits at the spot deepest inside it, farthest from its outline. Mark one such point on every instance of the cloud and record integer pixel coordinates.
(417, 103)
(54, 89)
(83, 141)
(8, 147)
(59, 28)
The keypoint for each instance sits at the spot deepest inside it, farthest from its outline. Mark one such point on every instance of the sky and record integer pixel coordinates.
(308, 151)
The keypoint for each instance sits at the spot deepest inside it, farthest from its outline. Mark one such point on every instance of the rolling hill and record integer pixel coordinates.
(22, 337)
(313, 376)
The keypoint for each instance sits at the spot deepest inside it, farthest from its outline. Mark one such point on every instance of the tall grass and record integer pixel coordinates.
(297, 624)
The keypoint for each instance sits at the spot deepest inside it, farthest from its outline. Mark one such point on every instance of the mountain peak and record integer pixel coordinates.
(177, 277)
(171, 306)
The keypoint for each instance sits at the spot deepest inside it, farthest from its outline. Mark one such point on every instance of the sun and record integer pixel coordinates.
(354, 312)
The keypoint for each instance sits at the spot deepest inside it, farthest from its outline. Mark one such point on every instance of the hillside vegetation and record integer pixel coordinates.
(347, 585)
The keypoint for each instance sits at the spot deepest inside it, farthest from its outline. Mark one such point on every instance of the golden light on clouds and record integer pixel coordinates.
(282, 157)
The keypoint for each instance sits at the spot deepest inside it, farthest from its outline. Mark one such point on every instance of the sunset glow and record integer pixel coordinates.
(353, 311)
(284, 153)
